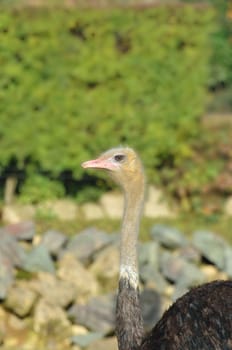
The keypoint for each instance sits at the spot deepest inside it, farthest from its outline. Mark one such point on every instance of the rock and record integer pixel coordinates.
(104, 344)
(3, 327)
(53, 241)
(84, 340)
(6, 278)
(17, 324)
(20, 299)
(106, 265)
(211, 247)
(20, 231)
(88, 242)
(155, 206)
(11, 252)
(53, 290)
(149, 255)
(228, 261)
(72, 271)
(78, 330)
(25, 339)
(179, 290)
(153, 279)
(92, 211)
(168, 236)
(180, 271)
(169, 290)
(211, 272)
(98, 314)
(112, 205)
(151, 307)
(190, 254)
(64, 209)
(50, 319)
(14, 213)
(38, 259)
(228, 206)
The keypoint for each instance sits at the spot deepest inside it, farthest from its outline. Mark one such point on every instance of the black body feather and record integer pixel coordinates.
(199, 320)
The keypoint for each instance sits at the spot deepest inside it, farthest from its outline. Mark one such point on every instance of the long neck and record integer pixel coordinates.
(129, 236)
(128, 315)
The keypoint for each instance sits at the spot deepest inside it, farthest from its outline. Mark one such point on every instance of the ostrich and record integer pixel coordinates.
(199, 320)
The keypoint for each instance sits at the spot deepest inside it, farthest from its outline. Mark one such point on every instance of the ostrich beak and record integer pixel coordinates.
(99, 163)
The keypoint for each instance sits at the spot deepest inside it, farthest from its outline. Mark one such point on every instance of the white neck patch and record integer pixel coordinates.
(130, 274)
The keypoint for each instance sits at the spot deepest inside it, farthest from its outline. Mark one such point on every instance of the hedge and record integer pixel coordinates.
(76, 82)
(220, 76)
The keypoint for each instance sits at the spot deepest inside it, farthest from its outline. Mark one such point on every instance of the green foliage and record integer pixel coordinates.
(89, 192)
(220, 77)
(38, 187)
(76, 82)
(221, 62)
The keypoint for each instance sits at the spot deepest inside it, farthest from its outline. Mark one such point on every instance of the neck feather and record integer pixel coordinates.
(134, 197)
(128, 315)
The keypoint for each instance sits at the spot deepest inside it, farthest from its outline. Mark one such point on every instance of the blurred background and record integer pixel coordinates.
(79, 77)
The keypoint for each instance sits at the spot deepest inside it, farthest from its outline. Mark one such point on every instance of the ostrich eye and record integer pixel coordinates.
(119, 157)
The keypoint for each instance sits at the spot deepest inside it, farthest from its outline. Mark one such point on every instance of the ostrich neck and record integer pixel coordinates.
(129, 235)
(129, 322)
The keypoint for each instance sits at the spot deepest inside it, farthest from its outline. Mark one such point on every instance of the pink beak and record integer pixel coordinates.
(99, 163)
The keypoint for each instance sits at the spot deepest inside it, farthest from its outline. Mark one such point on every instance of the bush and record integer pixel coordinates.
(38, 188)
(220, 77)
(76, 82)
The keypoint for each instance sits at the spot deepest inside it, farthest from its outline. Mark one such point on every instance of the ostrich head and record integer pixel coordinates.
(122, 163)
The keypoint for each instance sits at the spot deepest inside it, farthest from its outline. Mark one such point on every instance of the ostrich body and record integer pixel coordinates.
(199, 320)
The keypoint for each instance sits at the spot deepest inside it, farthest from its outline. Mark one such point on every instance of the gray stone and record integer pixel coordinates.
(88, 242)
(191, 276)
(190, 253)
(168, 236)
(53, 241)
(20, 231)
(179, 291)
(10, 250)
(98, 314)
(151, 307)
(6, 277)
(152, 278)
(38, 259)
(211, 247)
(84, 340)
(149, 254)
(20, 298)
(180, 271)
